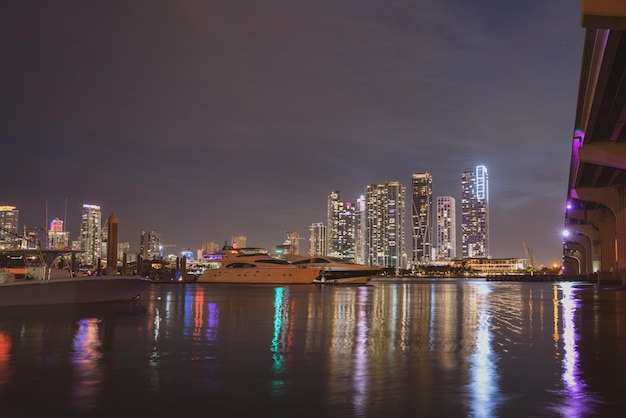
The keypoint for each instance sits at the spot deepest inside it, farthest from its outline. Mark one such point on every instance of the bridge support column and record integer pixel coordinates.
(612, 225)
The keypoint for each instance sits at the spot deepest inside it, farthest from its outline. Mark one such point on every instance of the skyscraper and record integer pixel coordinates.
(359, 232)
(422, 223)
(340, 228)
(9, 237)
(446, 228)
(475, 212)
(317, 239)
(150, 245)
(91, 235)
(385, 223)
(239, 241)
(57, 237)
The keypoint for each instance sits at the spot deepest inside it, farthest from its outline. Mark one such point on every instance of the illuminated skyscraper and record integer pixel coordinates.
(150, 245)
(57, 238)
(385, 225)
(8, 227)
(422, 222)
(359, 238)
(317, 239)
(340, 228)
(91, 235)
(239, 241)
(475, 212)
(446, 228)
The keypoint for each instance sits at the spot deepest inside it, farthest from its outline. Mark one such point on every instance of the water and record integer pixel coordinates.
(394, 348)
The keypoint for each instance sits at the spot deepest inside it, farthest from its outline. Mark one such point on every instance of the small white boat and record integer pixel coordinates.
(336, 270)
(27, 279)
(255, 266)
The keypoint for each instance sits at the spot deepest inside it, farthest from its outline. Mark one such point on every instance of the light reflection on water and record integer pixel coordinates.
(577, 400)
(484, 368)
(393, 348)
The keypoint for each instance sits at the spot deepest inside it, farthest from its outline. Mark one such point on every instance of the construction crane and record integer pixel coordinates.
(529, 253)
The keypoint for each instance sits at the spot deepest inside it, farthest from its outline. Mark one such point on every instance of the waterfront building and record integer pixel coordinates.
(123, 248)
(239, 241)
(58, 239)
(340, 228)
(9, 216)
(385, 225)
(421, 217)
(482, 266)
(90, 235)
(359, 237)
(475, 213)
(150, 246)
(446, 228)
(210, 247)
(317, 239)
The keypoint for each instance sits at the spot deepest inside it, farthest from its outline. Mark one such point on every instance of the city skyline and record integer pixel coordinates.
(204, 120)
(421, 183)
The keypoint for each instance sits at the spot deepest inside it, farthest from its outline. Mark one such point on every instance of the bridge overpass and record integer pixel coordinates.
(595, 216)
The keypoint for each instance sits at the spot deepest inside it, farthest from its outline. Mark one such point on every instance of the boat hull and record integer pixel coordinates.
(255, 275)
(76, 290)
(337, 276)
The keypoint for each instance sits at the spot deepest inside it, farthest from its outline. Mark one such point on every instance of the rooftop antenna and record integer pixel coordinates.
(65, 216)
(45, 224)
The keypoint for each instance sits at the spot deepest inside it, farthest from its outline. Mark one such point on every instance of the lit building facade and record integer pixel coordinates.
(446, 228)
(421, 217)
(317, 239)
(385, 225)
(9, 217)
(90, 235)
(210, 247)
(58, 239)
(150, 245)
(359, 237)
(292, 239)
(475, 213)
(340, 228)
(239, 241)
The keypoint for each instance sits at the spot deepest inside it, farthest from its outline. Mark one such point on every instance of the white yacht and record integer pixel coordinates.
(255, 266)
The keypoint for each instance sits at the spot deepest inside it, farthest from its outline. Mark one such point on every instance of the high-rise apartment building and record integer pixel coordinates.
(150, 245)
(422, 217)
(90, 235)
(58, 239)
(340, 228)
(239, 241)
(9, 237)
(291, 244)
(361, 227)
(317, 239)
(210, 247)
(475, 212)
(385, 225)
(446, 228)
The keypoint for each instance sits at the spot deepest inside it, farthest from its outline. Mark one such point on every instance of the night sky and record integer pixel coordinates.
(204, 119)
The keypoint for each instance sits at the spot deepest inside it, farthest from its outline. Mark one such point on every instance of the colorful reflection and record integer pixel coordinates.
(577, 402)
(5, 359)
(359, 377)
(280, 321)
(86, 358)
(483, 369)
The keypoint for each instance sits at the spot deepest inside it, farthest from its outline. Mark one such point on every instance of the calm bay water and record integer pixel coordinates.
(394, 348)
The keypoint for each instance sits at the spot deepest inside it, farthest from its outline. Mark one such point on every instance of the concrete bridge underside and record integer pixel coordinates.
(596, 208)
